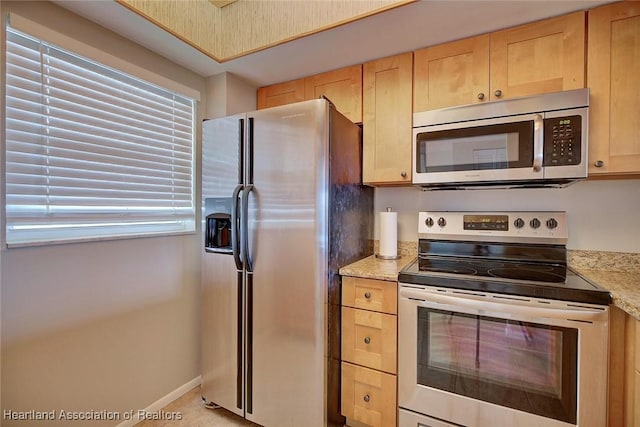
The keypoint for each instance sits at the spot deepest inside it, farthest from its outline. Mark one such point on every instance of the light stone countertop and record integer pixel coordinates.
(376, 268)
(617, 272)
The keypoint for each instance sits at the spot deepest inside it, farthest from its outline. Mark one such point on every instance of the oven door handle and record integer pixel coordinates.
(574, 313)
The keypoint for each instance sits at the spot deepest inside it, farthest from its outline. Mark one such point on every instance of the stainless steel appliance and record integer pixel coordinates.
(494, 329)
(531, 141)
(283, 209)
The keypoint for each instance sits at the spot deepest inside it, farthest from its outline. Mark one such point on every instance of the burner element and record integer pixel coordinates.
(521, 274)
(453, 267)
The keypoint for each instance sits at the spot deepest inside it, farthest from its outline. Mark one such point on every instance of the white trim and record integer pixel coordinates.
(164, 401)
(50, 35)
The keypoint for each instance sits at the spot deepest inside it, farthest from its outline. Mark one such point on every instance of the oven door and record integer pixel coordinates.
(481, 359)
(503, 149)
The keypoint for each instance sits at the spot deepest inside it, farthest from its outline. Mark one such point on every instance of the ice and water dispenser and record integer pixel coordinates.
(217, 237)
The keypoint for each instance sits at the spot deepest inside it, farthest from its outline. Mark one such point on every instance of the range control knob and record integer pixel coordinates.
(534, 223)
(552, 223)
(429, 222)
(442, 222)
(519, 223)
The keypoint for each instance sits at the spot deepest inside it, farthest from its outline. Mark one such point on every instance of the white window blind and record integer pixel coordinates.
(90, 151)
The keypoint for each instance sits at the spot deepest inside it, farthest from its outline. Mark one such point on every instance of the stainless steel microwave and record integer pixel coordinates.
(533, 141)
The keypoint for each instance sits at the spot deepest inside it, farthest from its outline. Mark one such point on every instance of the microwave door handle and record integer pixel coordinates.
(538, 142)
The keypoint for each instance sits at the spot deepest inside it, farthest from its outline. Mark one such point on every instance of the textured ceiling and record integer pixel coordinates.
(246, 26)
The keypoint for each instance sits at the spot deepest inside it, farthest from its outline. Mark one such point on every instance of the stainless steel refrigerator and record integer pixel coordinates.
(283, 210)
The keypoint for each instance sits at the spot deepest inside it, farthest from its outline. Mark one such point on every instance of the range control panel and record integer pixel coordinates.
(526, 226)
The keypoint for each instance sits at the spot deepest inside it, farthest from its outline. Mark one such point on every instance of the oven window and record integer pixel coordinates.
(500, 146)
(520, 365)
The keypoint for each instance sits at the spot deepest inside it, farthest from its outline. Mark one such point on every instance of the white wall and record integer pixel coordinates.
(112, 325)
(228, 94)
(603, 215)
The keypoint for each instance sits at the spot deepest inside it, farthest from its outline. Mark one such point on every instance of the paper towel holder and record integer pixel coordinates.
(388, 257)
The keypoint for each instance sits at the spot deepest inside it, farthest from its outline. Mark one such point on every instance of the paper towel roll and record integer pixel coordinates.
(388, 234)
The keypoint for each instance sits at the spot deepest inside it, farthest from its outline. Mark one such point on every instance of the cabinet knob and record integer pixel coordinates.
(498, 93)
(366, 398)
(367, 295)
(598, 163)
(367, 340)
(403, 174)
(481, 95)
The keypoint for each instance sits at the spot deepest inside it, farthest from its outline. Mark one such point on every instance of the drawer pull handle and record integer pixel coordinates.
(367, 295)
(367, 340)
(367, 398)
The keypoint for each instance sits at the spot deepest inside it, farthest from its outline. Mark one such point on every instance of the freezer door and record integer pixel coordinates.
(222, 141)
(287, 239)
(222, 276)
(222, 362)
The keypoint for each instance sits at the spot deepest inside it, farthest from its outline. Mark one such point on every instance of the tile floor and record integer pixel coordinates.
(194, 414)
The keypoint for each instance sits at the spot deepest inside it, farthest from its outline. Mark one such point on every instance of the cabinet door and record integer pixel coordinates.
(369, 339)
(281, 94)
(455, 73)
(544, 56)
(387, 119)
(343, 87)
(614, 49)
(368, 396)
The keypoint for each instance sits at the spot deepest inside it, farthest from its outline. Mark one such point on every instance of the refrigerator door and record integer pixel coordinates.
(286, 284)
(222, 283)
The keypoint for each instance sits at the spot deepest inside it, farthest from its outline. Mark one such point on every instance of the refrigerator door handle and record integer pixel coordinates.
(235, 227)
(245, 228)
(250, 151)
(241, 151)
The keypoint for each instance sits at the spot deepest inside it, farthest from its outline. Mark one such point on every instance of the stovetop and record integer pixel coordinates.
(500, 253)
(502, 269)
(560, 283)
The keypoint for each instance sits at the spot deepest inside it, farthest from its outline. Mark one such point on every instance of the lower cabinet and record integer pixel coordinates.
(624, 369)
(369, 352)
(368, 396)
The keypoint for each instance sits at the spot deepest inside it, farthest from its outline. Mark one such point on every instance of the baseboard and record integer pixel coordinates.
(163, 401)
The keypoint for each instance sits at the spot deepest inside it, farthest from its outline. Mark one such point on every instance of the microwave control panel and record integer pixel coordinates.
(562, 141)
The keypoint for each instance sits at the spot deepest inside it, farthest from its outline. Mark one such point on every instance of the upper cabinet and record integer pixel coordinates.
(387, 120)
(343, 87)
(455, 73)
(281, 94)
(612, 76)
(541, 57)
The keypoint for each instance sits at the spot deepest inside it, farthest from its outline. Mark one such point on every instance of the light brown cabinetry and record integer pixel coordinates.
(612, 74)
(369, 351)
(540, 57)
(343, 87)
(455, 73)
(281, 94)
(387, 120)
(624, 370)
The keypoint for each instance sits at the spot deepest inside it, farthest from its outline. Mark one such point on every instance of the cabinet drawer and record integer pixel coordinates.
(368, 396)
(370, 294)
(369, 339)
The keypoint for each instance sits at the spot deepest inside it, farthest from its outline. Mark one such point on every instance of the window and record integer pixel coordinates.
(92, 152)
